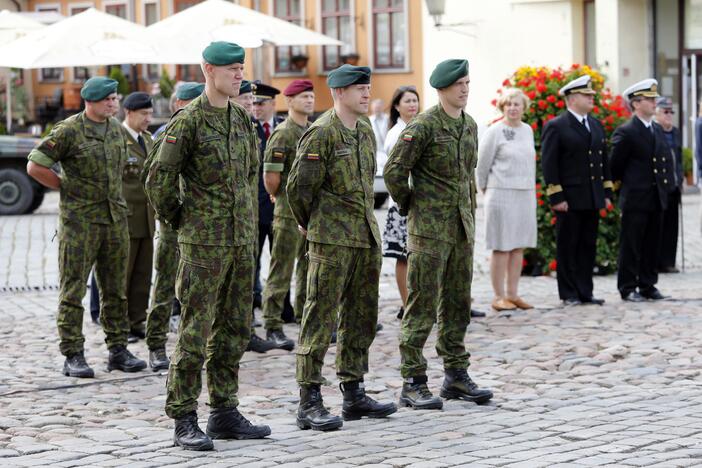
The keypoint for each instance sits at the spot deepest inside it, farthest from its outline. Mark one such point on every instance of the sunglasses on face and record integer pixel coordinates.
(669, 111)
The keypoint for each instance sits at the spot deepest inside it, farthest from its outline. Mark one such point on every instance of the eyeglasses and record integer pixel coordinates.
(669, 111)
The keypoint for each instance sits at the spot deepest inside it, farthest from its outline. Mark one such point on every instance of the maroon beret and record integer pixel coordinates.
(298, 86)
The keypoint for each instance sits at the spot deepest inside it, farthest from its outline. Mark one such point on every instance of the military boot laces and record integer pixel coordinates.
(188, 434)
(76, 366)
(278, 338)
(458, 385)
(357, 404)
(229, 423)
(122, 359)
(415, 394)
(158, 360)
(311, 414)
(259, 345)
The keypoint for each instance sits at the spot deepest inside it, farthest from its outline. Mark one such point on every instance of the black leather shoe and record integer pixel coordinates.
(593, 300)
(311, 414)
(415, 394)
(571, 301)
(459, 386)
(158, 360)
(401, 313)
(259, 345)
(633, 296)
(139, 330)
(357, 404)
(229, 423)
(378, 326)
(653, 295)
(188, 434)
(75, 366)
(121, 359)
(278, 338)
(477, 313)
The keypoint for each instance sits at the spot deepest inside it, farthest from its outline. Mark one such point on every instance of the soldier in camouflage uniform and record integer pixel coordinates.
(288, 243)
(163, 300)
(330, 192)
(92, 151)
(209, 149)
(438, 151)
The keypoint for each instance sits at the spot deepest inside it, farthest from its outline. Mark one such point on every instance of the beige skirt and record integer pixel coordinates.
(510, 219)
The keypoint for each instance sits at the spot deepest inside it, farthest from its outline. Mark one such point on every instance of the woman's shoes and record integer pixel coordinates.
(520, 303)
(500, 303)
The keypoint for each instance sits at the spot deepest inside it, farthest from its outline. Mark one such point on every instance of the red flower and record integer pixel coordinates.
(610, 207)
(534, 125)
(538, 186)
(531, 95)
(542, 104)
(595, 110)
(541, 88)
(506, 82)
(553, 265)
(539, 194)
(560, 104)
(550, 117)
(524, 263)
(553, 221)
(540, 202)
(551, 98)
(493, 102)
(603, 213)
(575, 65)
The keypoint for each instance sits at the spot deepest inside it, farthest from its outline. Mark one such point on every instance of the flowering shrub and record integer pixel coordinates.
(541, 85)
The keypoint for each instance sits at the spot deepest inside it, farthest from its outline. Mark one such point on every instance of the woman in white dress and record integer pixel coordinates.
(507, 176)
(404, 106)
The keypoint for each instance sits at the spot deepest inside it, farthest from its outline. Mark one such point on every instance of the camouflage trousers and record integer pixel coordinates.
(343, 281)
(439, 276)
(163, 292)
(139, 270)
(288, 246)
(82, 245)
(213, 285)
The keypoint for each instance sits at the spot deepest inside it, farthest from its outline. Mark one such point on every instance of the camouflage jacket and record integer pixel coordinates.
(202, 178)
(92, 158)
(279, 157)
(330, 186)
(141, 215)
(430, 174)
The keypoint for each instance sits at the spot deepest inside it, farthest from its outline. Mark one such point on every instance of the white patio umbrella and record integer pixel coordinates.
(89, 38)
(183, 36)
(12, 27)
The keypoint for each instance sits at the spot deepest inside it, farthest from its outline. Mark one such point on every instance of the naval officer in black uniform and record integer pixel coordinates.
(578, 185)
(641, 160)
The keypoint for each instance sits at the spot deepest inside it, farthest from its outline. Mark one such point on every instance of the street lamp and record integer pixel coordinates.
(437, 8)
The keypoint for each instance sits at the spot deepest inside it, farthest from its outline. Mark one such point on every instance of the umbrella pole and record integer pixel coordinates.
(8, 95)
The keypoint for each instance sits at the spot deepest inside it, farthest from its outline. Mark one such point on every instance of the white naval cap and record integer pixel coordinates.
(582, 85)
(645, 88)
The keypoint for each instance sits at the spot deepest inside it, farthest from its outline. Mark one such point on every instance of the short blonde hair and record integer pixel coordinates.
(509, 94)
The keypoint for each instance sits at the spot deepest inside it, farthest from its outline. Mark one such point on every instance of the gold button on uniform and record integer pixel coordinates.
(655, 171)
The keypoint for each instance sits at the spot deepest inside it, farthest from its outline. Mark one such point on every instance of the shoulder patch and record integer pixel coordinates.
(50, 144)
(171, 139)
(313, 156)
(407, 137)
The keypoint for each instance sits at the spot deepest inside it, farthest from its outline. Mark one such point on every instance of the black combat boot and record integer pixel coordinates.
(158, 359)
(278, 338)
(458, 385)
(311, 414)
(121, 359)
(416, 394)
(259, 345)
(357, 404)
(75, 366)
(188, 434)
(228, 423)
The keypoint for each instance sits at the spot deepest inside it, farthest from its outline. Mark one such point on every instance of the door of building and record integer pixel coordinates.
(691, 101)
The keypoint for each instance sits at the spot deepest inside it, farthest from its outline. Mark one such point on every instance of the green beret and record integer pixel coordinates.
(223, 53)
(448, 72)
(98, 88)
(189, 91)
(347, 75)
(246, 87)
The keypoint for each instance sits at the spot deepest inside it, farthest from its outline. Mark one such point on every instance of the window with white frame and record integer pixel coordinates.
(117, 9)
(337, 22)
(291, 11)
(389, 22)
(53, 75)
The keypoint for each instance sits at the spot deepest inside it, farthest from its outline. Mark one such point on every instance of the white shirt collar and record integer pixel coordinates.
(131, 131)
(577, 116)
(647, 123)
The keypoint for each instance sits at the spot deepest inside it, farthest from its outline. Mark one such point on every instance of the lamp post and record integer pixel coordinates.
(437, 9)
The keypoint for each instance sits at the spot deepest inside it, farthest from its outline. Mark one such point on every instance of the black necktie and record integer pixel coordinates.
(140, 140)
(584, 122)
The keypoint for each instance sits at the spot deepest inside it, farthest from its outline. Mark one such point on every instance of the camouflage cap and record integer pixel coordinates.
(448, 72)
(98, 88)
(221, 53)
(189, 91)
(347, 75)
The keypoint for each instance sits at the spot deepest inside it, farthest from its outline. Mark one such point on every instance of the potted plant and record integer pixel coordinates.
(351, 59)
(687, 165)
(299, 61)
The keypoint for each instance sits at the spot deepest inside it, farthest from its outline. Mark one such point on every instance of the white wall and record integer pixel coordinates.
(503, 35)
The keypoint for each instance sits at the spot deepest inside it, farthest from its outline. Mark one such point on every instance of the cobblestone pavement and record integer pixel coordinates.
(618, 385)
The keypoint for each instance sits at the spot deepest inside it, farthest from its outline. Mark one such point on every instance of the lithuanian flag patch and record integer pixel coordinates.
(50, 144)
(171, 139)
(407, 137)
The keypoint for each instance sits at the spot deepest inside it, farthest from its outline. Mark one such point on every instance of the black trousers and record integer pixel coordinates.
(639, 251)
(669, 231)
(576, 242)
